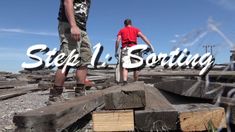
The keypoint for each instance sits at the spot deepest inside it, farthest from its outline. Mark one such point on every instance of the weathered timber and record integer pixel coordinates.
(159, 114)
(125, 100)
(38, 78)
(11, 84)
(10, 93)
(198, 117)
(113, 121)
(59, 116)
(2, 78)
(70, 84)
(229, 105)
(230, 74)
(191, 88)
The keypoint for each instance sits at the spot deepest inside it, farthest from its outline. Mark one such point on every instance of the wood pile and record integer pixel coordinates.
(148, 110)
(166, 100)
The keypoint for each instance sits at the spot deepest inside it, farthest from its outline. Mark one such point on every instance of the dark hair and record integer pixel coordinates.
(127, 22)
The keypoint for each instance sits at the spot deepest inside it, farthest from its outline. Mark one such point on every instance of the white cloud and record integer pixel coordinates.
(226, 4)
(173, 41)
(21, 31)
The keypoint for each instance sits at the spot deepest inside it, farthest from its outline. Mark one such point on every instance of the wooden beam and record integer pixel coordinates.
(199, 117)
(188, 72)
(125, 100)
(59, 116)
(11, 84)
(159, 114)
(70, 84)
(191, 88)
(229, 105)
(113, 121)
(21, 90)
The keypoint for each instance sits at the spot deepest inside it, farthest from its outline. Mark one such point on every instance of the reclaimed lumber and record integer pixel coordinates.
(199, 117)
(70, 84)
(187, 72)
(229, 105)
(11, 84)
(191, 88)
(10, 93)
(125, 100)
(158, 115)
(59, 116)
(122, 120)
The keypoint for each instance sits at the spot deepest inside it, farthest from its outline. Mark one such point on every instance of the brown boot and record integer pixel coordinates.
(80, 90)
(55, 95)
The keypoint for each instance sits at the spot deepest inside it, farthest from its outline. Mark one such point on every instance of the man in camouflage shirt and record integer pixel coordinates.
(73, 15)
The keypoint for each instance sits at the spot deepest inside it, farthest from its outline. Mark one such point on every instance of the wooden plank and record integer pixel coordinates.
(191, 88)
(70, 84)
(187, 72)
(159, 114)
(111, 121)
(229, 105)
(59, 116)
(125, 100)
(198, 117)
(11, 84)
(6, 94)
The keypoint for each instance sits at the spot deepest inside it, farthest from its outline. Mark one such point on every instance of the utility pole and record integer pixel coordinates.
(207, 47)
(212, 46)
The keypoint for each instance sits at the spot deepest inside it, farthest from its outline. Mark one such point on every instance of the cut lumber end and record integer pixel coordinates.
(125, 100)
(122, 120)
(200, 117)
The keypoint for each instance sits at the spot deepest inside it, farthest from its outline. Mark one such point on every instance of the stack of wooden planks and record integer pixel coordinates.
(133, 107)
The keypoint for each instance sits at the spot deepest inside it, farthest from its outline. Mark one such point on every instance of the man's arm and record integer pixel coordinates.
(117, 44)
(145, 39)
(69, 11)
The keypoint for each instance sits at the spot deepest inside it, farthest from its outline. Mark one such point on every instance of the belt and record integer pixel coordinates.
(129, 44)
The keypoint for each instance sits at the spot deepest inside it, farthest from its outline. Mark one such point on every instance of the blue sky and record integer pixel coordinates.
(167, 24)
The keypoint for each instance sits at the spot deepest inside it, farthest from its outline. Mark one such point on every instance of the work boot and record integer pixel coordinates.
(80, 90)
(55, 95)
(124, 83)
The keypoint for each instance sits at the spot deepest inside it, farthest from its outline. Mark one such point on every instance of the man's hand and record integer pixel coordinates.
(75, 33)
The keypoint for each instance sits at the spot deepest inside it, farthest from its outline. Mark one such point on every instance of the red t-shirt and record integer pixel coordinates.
(129, 36)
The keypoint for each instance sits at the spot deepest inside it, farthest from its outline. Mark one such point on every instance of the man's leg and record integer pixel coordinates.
(57, 90)
(86, 54)
(60, 77)
(136, 75)
(125, 76)
(81, 75)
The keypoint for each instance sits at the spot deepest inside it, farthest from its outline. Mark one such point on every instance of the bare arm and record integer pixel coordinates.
(69, 11)
(145, 39)
(117, 43)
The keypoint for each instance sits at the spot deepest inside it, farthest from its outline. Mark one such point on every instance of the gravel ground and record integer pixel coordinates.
(26, 103)
(20, 104)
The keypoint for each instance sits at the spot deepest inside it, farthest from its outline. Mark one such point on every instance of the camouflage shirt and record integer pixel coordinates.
(81, 11)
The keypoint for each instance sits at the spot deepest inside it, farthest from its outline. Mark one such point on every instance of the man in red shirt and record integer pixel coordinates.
(128, 36)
